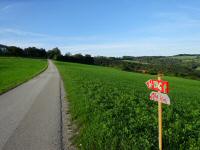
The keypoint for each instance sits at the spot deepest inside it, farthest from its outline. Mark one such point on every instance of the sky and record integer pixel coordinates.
(103, 27)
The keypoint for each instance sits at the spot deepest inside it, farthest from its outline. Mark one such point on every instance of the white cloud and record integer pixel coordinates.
(24, 44)
(136, 48)
(140, 47)
(101, 46)
(20, 33)
(6, 8)
(26, 34)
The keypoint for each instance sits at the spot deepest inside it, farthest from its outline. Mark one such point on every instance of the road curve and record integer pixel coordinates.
(30, 117)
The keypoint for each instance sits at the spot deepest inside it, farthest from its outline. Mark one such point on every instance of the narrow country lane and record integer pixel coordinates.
(30, 117)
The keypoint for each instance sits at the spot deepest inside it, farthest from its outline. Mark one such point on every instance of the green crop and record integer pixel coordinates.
(113, 111)
(15, 70)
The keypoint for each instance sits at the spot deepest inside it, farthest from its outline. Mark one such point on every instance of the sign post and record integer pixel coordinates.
(160, 119)
(162, 88)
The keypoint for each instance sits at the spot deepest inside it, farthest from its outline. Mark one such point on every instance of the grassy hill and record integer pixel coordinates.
(113, 111)
(183, 65)
(16, 70)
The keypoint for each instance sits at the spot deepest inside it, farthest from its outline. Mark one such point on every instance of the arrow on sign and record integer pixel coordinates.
(160, 97)
(158, 85)
(149, 83)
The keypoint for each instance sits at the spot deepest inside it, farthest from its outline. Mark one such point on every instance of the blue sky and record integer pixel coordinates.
(103, 27)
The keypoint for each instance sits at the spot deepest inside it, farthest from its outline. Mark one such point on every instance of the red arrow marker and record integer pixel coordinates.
(158, 85)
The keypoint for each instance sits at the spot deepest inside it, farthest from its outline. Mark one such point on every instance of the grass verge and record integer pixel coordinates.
(112, 109)
(15, 71)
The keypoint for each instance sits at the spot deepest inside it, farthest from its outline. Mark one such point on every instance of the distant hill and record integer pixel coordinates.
(3, 46)
(187, 55)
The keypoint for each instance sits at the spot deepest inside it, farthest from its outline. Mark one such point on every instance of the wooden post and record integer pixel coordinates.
(160, 120)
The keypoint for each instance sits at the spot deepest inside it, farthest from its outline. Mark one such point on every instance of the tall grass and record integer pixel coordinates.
(113, 111)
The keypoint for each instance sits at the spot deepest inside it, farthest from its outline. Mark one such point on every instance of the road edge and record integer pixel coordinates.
(26, 80)
(66, 123)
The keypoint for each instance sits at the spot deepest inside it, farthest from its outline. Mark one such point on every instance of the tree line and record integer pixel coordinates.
(146, 64)
(26, 52)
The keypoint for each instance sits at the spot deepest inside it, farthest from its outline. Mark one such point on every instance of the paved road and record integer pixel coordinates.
(30, 114)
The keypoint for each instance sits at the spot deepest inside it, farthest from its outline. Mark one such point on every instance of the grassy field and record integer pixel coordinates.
(187, 59)
(112, 110)
(198, 68)
(184, 57)
(14, 71)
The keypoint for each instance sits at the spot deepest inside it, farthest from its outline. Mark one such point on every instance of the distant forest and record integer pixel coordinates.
(182, 65)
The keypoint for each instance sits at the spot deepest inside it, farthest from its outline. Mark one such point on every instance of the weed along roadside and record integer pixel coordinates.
(112, 110)
(161, 87)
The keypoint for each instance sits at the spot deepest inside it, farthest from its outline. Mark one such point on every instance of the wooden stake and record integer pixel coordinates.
(160, 120)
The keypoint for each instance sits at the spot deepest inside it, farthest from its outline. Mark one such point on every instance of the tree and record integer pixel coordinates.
(3, 50)
(68, 54)
(15, 51)
(89, 59)
(35, 52)
(54, 53)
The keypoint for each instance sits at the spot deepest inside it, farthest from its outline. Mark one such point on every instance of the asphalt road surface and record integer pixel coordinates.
(30, 117)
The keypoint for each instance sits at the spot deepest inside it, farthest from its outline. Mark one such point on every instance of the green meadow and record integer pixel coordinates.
(16, 70)
(112, 110)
